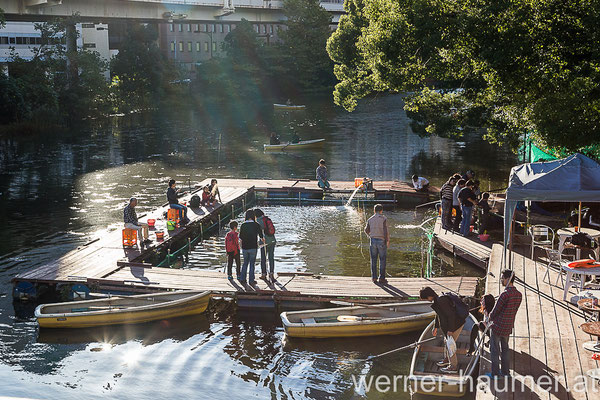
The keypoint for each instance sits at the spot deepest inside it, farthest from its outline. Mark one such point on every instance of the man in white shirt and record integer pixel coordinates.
(421, 184)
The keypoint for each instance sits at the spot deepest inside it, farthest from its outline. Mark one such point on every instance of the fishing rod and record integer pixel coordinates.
(415, 344)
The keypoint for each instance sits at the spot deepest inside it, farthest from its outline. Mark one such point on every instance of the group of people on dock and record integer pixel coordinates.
(256, 226)
(498, 322)
(461, 194)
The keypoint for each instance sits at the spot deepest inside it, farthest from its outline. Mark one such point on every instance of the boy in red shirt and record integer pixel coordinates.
(232, 247)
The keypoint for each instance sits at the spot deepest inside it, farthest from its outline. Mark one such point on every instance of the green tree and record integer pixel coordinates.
(304, 43)
(520, 65)
(142, 73)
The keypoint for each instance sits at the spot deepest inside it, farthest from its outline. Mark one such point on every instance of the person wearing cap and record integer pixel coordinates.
(131, 221)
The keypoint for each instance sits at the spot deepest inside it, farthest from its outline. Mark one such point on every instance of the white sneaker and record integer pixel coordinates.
(443, 363)
(449, 370)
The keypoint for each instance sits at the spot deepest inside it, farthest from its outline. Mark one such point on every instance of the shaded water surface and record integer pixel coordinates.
(57, 192)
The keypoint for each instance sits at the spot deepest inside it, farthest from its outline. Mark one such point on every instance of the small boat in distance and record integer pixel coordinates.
(384, 319)
(121, 309)
(425, 375)
(303, 144)
(290, 107)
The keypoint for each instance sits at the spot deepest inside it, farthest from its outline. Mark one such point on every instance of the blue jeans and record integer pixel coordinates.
(378, 249)
(269, 251)
(499, 354)
(465, 225)
(324, 184)
(249, 260)
(182, 210)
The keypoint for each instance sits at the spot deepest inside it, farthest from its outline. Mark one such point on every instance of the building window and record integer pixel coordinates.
(3, 39)
(180, 27)
(256, 28)
(270, 28)
(171, 27)
(88, 26)
(220, 28)
(189, 26)
(190, 47)
(214, 46)
(206, 47)
(214, 28)
(89, 45)
(19, 40)
(197, 27)
(204, 28)
(227, 28)
(172, 46)
(180, 46)
(198, 47)
(11, 40)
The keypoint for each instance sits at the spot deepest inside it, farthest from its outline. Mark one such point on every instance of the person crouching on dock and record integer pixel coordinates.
(323, 176)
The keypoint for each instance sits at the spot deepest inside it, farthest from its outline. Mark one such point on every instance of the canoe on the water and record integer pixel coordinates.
(304, 144)
(386, 319)
(121, 309)
(427, 378)
(288, 107)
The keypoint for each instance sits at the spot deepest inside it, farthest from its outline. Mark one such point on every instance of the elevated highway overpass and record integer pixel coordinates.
(188, 11)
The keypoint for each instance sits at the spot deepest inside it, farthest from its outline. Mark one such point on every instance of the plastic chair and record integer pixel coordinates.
(557, 259)
(129, 237)
(542, 236)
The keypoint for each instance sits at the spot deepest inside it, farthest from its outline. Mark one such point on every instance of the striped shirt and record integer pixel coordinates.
(504, 313)
(446, 191)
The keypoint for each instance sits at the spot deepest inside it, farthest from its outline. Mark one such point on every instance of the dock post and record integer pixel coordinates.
(169, 257)
(299, 199)
(243, 205)
(232, 211)
(189, 249)
(201, 233)
(219, 224)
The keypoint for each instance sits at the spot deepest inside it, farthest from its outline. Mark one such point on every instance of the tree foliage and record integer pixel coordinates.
(519, 65)
(142, 73)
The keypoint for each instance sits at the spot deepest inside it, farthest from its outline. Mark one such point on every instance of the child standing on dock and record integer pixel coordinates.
(323, 176)
(269, 249)
(249, 233)
(232, 247)
(377, 230)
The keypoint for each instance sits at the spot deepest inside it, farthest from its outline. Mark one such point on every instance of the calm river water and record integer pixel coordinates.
(56, 192)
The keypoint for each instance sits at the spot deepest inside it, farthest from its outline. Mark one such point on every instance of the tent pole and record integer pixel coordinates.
(511, 239)
(579, 217)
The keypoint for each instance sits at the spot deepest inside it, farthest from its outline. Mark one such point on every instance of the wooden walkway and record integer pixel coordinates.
(546, 340)
(104, 265)
(303, 189)
(99, 257)
(469, 249)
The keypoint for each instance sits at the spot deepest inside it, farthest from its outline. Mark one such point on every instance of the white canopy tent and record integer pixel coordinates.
(572, 179)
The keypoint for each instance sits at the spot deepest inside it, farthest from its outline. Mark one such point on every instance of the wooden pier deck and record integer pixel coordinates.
(103, 263)
(470, 249)
(546, 341)
(304, 189)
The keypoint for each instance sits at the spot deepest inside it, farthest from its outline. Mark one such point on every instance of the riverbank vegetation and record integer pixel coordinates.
(63, 85)
(510, 67)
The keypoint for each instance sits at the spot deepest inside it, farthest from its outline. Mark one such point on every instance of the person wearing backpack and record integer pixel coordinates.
(269, 249)
(451, 313)
(232, 247)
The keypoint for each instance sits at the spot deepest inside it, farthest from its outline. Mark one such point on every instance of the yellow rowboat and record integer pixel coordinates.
(304, 144)
(121, 309)
(425, 375)
(384, 319)
(288, 107)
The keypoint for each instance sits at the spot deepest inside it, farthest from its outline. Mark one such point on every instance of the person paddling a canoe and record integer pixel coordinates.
(323, 176)
(295, 138)
(274, 139)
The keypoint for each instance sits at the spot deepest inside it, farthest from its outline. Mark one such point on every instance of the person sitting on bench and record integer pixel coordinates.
(172, 194)
(131, 222)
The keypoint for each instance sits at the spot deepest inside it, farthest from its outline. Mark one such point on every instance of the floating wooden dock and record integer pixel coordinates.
(308, 191)
(469, 249)
(104, 265)
(546, 341)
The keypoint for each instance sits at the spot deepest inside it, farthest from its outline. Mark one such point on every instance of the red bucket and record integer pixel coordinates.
(151, 223)
(160, 235)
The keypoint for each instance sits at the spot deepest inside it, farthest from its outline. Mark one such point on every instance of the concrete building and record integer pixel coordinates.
(189, 44)
(23, 39)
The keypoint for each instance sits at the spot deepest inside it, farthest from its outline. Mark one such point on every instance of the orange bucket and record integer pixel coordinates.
(358, 182)
(160, 235)
(151, 223)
